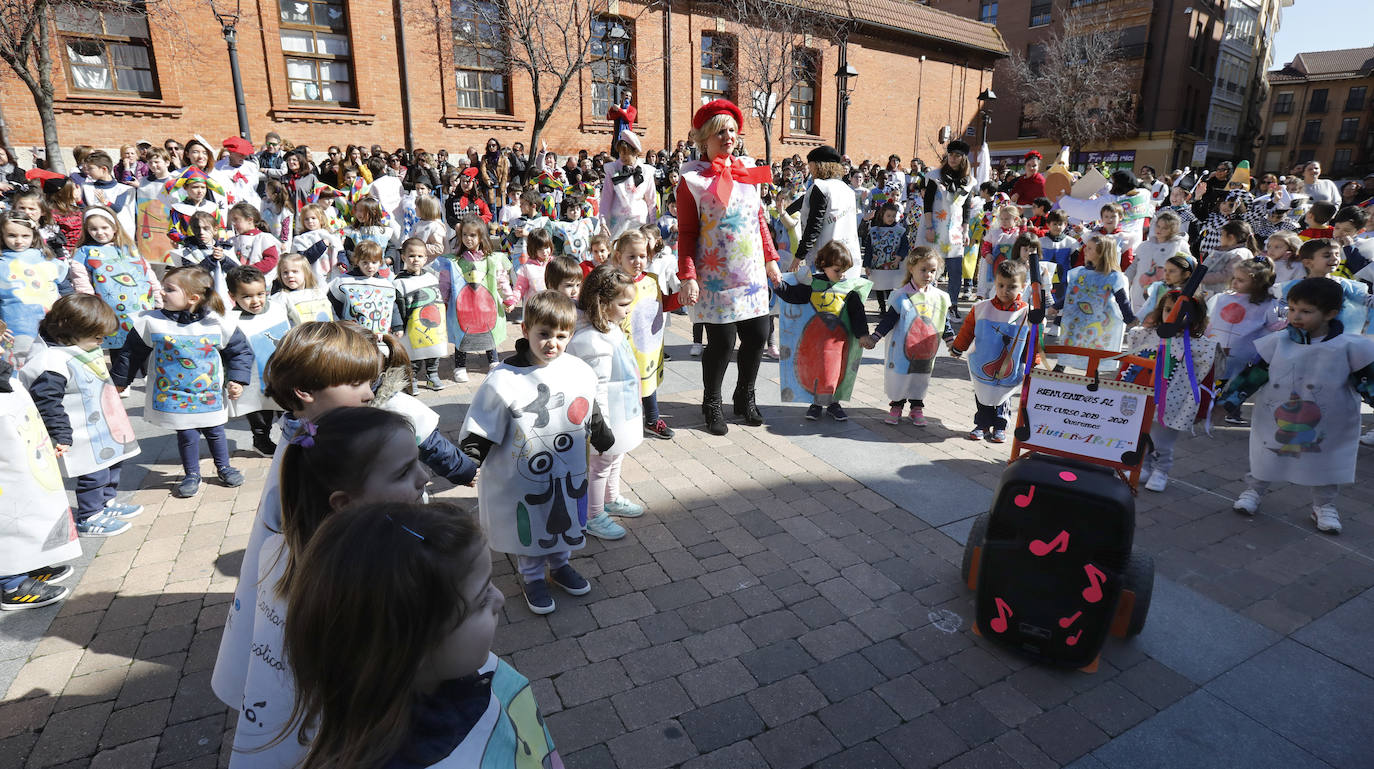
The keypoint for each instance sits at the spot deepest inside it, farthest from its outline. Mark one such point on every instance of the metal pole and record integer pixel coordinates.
(842, 102)
(230, 39)
(404, 72)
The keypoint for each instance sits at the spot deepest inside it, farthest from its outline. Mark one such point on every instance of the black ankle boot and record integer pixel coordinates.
(715, 417)
(746, 408)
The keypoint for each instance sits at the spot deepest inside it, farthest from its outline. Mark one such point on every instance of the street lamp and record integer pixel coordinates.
(227, 22)
(987, 97)
(842, 77)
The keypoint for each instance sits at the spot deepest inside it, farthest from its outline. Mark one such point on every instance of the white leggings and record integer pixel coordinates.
(603, 482)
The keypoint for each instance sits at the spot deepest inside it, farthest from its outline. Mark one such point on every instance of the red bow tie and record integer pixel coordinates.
(726, 171)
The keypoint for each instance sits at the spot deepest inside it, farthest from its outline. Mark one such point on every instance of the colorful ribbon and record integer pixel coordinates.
(725, 171)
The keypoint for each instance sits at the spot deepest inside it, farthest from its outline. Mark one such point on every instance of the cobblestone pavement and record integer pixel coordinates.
(792, 599)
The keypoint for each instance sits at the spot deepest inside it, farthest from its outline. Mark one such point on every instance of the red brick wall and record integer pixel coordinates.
(197, 96)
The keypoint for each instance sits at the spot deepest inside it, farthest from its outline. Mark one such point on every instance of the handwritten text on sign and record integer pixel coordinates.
(1067, 415)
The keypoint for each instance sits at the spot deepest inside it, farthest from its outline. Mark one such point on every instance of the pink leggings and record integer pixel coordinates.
(603, 482)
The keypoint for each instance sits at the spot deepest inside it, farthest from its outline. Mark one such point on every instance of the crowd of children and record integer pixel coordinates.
(314, 316)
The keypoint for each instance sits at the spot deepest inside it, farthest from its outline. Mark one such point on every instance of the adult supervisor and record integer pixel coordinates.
(829, 211)
(726, 259)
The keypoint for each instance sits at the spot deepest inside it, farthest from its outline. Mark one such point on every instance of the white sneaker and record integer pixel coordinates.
(1248, 503)
(460, 375)
(1158, 480)
(696, 351)
(1368, 438)
(1326, 518)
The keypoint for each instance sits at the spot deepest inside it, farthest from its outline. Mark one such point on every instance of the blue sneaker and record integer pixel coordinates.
(189, 487)
(102, 525)
(538, 598)
(602, 527)
(231, 477)
(123, 511)
(566, 577)
(624, 508)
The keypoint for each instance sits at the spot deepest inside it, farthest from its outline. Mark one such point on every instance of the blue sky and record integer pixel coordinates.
(1314, 25)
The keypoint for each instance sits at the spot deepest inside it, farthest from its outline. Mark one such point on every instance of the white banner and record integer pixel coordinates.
(1069, 413)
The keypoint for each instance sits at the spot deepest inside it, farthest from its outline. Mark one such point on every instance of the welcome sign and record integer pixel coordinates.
(1081, 416)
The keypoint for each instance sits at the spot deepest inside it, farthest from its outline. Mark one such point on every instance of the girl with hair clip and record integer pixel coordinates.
(31, 280)
(1177, 270)
(475, 288)
(278, 213)
(645, 325)
(322, 248)
(1183, 380)
(298, 290)
(345, 455)
(199, 359)
(997, 243)
(370, 223)
(1236, 244)
(1247, 311)
(1165, 241)
(1094, 310)
(885, 249)
(406, 676)
(606, 299)
(107, 264)
(251, 243)
(919, 313)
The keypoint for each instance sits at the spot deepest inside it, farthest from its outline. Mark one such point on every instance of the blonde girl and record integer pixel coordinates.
(278, 213)
(1095, 309)
(299, 291)
(23, 302)
(1244, 313)
(919, 312)
(475, 287)
(322, 248)
(1165, 241)
(1282, 248)
(198, 360)
(644, 327)
(997, 245)
(107, 264)
(606, 300)
(431, 228)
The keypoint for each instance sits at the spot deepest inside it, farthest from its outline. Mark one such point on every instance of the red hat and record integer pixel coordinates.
(238, 144)
(1033, 154)
(42, 175)
(718, 107)
(470, 172)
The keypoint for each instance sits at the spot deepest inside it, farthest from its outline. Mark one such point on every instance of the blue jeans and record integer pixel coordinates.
(188, 443)
(990, 417)
(954, 273)
(94, 490)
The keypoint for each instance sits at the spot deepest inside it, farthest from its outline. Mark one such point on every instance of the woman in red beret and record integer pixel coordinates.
(726, 259)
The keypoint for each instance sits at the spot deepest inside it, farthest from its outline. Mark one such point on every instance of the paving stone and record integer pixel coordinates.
(1157, 685)
(741, 754)
(1063, 733)
(717, 682)
(71, 734)
(787, 699)
(892, 658)
(868, 755)
(183, 742)
(923, 743)
(908, 697)
(945, 681)
(841, 678)
(797, 744)
(718, 644)
(655, 662)
(1024, 752)
(971, 721)
(22, 716)
(1007, 703)
(710, 614)
(773, 626)
(777, 661)
(570, 620)
(1112, 708)
(613, 611)
(987, 756)
(662, 745)
(757, 600)
(1046, 688)
(614, 641)
(585, 725)
(646, 576)
(591, 682)
(832, 641)
(980, 665)
(676, 594)
(550, 660)
(651, 703)
(595, 757)
(194, 699)
(663, 628)
(859, 718)
(724, 723)
(136, 723)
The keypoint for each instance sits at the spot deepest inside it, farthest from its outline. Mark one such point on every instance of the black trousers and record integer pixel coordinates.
(720, 341)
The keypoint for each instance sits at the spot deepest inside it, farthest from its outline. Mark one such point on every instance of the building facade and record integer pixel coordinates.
(1170, 48)
(1319, 109)
(1240, 87)
(325, 72)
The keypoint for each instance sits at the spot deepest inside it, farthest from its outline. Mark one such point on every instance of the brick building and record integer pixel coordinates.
(331, 72)
(1170, 48)
(1319, 109)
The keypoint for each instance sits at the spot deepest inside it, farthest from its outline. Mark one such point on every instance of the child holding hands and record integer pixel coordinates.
(919, 314)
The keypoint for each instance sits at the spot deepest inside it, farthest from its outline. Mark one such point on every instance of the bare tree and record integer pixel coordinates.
(771, 54)
(1077, 87)
(550, 43)
(26, 45)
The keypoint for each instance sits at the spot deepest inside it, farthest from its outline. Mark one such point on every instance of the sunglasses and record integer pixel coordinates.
(274, 144)
(172, 147)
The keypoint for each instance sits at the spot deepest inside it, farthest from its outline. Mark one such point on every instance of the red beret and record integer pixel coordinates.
(238, 144)
(42, 175)
(1033, 154)
(718, 107)
(470, 172)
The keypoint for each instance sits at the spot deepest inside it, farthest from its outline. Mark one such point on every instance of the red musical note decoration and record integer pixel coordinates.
(1059, 544)
(1093, 592)
(1067, 476)
(1073, 639)
(1024, 500)
(1064, 622)
(999, 623)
